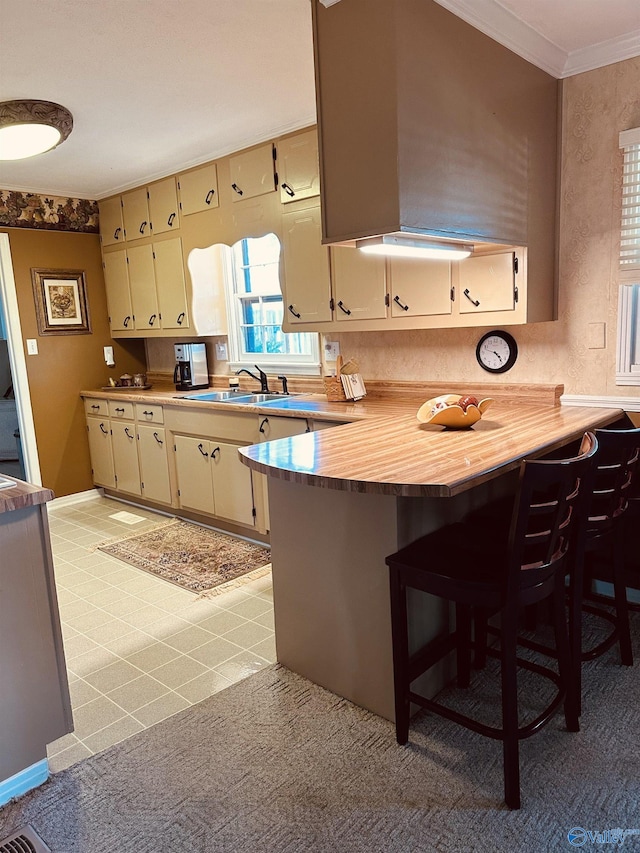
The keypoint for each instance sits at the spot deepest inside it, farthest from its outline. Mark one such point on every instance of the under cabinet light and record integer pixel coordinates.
(413, 247)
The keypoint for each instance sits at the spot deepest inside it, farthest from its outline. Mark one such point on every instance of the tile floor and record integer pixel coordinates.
(138, 648)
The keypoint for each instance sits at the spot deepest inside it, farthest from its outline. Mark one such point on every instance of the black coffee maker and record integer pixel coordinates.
(191, 370)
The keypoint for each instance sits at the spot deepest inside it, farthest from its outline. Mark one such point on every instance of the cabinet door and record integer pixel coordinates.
(163, 206)
(142, 281)
(170, 284)
(154, 465)
(487, 283)
(111, 226)
(298, 169)
(232, 486)
(116, 280)
(198, 189)
(305, 268)
(125, 457)
(359, 285)
(193, 467)
(99, 432)
(419, 288)
(271, 427)
(135, 212)
(252, 173)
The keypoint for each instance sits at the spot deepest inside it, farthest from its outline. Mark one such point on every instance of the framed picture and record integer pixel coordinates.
(61, 302)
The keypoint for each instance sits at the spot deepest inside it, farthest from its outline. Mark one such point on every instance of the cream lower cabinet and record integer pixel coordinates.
(125, 458)
(212, 480)
(154, 468)
(101, 452)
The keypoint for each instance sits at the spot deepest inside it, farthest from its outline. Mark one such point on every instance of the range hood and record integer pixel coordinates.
(430, 129)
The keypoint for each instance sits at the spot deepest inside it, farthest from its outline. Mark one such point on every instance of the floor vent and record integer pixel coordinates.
(24, 840)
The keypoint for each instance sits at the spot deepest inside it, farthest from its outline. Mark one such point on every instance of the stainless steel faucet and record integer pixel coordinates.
(261, 378)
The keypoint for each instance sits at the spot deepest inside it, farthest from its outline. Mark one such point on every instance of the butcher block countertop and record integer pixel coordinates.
(22, 495)
(381, 447)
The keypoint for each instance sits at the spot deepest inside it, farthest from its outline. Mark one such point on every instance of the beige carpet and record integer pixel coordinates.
(193, 557)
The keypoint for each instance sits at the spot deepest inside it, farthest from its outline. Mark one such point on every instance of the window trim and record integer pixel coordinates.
(628, 331)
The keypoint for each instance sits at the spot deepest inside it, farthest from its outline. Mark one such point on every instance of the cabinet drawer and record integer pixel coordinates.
(147, 413)
(99, 408)
(233, 426)
(121, 410)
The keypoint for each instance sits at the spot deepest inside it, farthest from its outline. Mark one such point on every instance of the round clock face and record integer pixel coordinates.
(497, 351)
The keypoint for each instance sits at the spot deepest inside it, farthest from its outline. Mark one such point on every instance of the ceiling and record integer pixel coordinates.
(156, 86)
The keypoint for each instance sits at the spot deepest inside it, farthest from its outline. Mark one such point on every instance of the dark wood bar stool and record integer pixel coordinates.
(488, 575)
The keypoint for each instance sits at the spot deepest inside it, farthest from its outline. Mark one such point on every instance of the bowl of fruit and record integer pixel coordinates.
(453, 411)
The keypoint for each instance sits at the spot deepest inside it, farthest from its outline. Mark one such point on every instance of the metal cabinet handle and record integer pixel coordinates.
(180, 319)
(475, 302)
(342, 308)
(127, 433)
(125, 322)
(159, 440)
(95, 406)
(263, 423)
(119, 410)
(204, 453)
(152, 319)
(170, 220)
(288, 190)
(103, 430)
(116, 233)
(209, 196)
(237, 189)
(293, 311)
(396, 299)
(214, 451)
(143, 225)
(148, 413)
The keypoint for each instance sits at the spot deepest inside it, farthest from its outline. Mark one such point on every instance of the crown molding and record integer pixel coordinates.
(503, 26)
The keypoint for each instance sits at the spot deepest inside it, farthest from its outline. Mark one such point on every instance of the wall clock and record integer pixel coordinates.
(497, 351)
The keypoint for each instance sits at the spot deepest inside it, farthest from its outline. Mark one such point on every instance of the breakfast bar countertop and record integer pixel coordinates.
(21, 495)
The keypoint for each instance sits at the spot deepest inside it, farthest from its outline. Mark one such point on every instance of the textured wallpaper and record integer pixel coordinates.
(51, 213)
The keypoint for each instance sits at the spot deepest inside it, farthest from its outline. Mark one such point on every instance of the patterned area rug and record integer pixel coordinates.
(192, 557)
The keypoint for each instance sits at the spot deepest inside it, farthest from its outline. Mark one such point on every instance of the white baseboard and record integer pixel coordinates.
(20, 783)
(78, 497)
(629, 404)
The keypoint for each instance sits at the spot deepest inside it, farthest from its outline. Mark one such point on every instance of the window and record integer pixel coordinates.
(256, 312)
(628, 352)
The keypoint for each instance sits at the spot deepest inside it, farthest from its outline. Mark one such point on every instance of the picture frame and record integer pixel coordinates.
(61, 302)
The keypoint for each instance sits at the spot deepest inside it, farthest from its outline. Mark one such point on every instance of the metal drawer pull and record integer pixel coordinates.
(95, 406)
(180, 319)
(263, 423)
(237, 189)
(209, 196)
(159, 440)
(204, 453)
(119, 410)
(342, 308)
(476, 302)
(288, 190)
(143, 225)
(147, 413)
(293, 311)
(397, 300)
(103, 430)
(170, 220)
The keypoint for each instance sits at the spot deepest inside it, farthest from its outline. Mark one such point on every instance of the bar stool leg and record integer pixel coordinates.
(566, 665)
(622, 609)
(480, 636)
(463, 644)
(508, 638)
(400, 644)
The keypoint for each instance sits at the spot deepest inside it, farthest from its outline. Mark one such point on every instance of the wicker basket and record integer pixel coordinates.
(334, 390)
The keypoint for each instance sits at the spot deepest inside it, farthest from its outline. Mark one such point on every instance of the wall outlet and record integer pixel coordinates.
(331, 350)
(221, 352)
(32, 346)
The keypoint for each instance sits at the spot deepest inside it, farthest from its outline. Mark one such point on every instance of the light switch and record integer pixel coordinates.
(331, 350)
(108, 356)
(32, 346)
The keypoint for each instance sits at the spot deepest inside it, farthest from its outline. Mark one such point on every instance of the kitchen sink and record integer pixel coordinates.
(212, 396)
(253, 399)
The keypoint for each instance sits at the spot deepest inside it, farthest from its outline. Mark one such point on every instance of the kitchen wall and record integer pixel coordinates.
(66, 364)
(596, 106)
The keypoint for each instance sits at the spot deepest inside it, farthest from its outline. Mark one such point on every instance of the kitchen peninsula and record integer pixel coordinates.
(341, 500)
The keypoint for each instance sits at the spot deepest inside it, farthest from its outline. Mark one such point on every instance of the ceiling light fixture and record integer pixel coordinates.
(28, 128)
(414, 247)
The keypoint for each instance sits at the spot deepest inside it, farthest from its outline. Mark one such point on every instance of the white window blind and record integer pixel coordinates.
(630, 226)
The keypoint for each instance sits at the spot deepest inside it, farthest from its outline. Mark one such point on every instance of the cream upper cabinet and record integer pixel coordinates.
(170, 284)
(116, 279)
(487, 283)
(305, 268)
(163, 206)
(359, 285)
(154, 467)
(298, 167)
(198, 189)
(252, 173)
(135, 212)
(419, 288)
(111, 224)
(144, 300)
